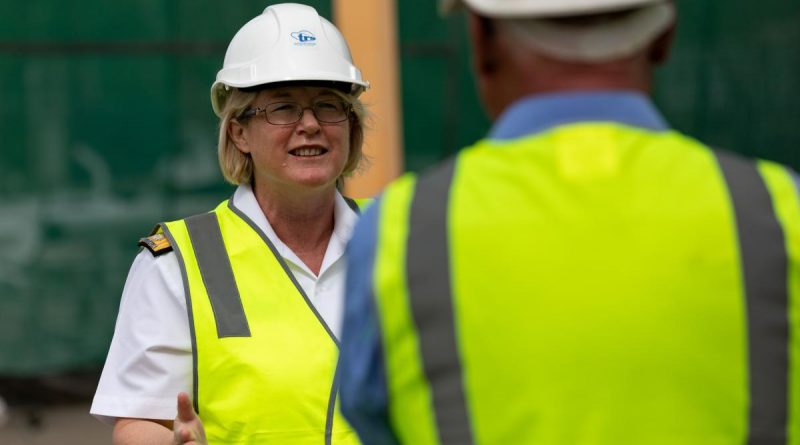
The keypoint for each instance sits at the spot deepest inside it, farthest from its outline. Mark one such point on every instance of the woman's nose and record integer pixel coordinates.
(308, 121)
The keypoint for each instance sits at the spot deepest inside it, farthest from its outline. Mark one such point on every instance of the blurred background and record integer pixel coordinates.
(107, 129)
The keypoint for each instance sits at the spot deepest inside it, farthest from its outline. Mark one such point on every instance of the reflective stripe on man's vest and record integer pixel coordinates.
(264, 359)
(594, 284)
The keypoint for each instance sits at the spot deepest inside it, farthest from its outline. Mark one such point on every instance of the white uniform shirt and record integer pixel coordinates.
(150, 358)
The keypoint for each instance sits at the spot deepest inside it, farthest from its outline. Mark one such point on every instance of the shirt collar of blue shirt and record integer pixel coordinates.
(535, 114)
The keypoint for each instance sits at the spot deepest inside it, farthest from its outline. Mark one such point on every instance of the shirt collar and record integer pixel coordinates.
(535, 114)
(344, 218)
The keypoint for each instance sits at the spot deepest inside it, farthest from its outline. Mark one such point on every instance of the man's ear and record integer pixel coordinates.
(238, 135)
(660, 49)
(483, 36)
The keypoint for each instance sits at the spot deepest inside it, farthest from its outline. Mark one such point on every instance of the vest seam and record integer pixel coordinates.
(332, 406)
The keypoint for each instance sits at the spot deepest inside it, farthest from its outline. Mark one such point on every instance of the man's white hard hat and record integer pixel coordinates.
(287, 42)
(615, 38)
(543, 8)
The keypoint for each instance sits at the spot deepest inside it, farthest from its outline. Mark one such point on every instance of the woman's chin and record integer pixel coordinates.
(301, 179)
(315, 181)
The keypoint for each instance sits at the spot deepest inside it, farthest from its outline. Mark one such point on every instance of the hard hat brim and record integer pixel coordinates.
(542, 9)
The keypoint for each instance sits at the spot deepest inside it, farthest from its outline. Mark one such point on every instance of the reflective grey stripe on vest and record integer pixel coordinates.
(431, 298)
(764, 268)
(215, 268)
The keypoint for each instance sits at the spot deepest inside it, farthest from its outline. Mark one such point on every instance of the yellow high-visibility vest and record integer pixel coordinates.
(594, 284)
(264, 360)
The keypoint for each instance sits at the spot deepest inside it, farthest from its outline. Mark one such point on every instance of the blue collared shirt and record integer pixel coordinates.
(363, 377)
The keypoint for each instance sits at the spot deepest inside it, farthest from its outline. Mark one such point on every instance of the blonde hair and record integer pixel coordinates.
(237, 167)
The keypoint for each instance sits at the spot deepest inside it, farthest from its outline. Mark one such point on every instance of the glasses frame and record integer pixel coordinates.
(252, 112)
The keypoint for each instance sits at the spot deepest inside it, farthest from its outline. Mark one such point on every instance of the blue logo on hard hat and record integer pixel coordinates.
(304, 37)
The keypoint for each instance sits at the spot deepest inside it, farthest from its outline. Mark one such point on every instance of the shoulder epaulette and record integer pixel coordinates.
(157, 244)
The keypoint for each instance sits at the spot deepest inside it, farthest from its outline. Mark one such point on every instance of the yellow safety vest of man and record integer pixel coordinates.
(592, 283)
(264, 361)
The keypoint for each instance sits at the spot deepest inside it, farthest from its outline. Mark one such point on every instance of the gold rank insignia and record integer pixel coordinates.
(157, 244)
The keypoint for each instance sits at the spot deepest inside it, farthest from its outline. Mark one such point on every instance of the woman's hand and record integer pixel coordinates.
(188, 428)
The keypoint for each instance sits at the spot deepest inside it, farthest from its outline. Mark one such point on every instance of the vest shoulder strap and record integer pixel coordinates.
(358, 204)
(352, 204)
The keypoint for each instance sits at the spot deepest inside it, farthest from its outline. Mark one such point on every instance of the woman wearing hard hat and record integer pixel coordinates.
(261, 277)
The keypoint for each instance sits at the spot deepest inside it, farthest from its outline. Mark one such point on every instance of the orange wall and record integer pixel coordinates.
(370, 27)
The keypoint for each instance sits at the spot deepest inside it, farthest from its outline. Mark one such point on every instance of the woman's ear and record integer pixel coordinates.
(238, 134)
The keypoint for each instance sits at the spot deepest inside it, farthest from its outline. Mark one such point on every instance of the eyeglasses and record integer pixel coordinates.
(288, 113)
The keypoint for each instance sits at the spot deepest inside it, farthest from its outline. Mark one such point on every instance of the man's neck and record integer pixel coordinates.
(546, 76)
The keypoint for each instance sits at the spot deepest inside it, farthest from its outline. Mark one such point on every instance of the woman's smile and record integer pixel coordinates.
(308, 151)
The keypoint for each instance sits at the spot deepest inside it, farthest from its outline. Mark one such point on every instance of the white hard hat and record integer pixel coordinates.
(543, 8)
(287, 42)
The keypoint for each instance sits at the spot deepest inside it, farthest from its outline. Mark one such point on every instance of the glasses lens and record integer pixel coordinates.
(330, 111)
(282, 113)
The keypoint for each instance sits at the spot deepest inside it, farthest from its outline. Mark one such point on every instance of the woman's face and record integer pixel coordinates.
(307, 154)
